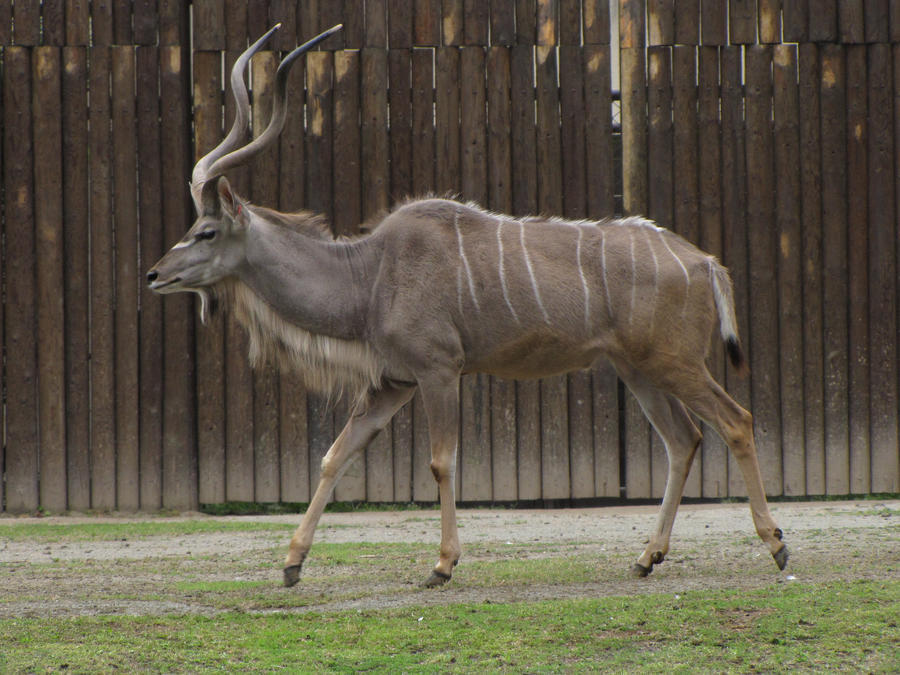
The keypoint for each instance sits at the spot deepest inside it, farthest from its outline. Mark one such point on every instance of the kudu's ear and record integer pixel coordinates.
(231, 204)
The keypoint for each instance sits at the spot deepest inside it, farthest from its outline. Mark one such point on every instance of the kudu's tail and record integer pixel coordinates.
(724, 297)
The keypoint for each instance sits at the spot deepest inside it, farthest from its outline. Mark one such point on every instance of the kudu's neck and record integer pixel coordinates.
(318, 285)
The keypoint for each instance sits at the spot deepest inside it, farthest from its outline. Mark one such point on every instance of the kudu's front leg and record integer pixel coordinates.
(366, 420)
(442, 409)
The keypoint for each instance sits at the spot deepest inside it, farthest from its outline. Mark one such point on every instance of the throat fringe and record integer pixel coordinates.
(327, 365)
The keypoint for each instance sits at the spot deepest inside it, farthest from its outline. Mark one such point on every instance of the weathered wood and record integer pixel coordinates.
(76, 289)
(103, 420)
(660, 22)
(687, 22)
(179, 479)
(209, 25)
(762, 246)
(446, 115)
(400, 24)
(714, 452)
(631, 25)
(823, 21)
(126, 277)
(595, 22)
(264, 190)
(570, 23)
(714, 22)
(742, 21)
(27, 23)
(877, 21)
(834, 262)
(660, 199)
(795, 18)
(122, 23)
(144, 20)
(858, 269)
(769, 21)
(476, 23)
(883, 176)
(151, 309)
(427, 23)
(101, 25)
(376, 23)
(734, 209)
(379, 480)
(235, 25)
(811, 209)
(48, 229)
(598, 133)
(173, 22)
(503, 22)
(285, 13)
(851, 22)
(400, 106)
(211, 467)
(525, 22)
(348, 207)
(78, 23)
(53, 23)
(790, 292)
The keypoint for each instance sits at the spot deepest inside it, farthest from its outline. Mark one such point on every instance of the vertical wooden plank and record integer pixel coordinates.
(595, 22)
(126, 276)
(877, 21)
(27, 23)
(75, 243)
(376, 23)
(452, 22)
(851, 21)
(734, 209)
(823, 21)
(769, 21)
(179, 415)
(685, 179)
(883, 173)
(503, 22)
(742, 21)
(476, 24)
(53, 22)
(78, 23)
(790, 298)
(48, 221)
(173, 22)
(762, 247)
(556, 480)
(144, 20)
(834, 229)
(687, 22)
(348, 207)
(353, 16)
(570, 22)
(334, 12)
(504, 466)
(264, 187)
(401, 187)
(894, 15)
(634, 197)
(319, 191)
(714, 452)
(600, 188)
(210, 338)
(660, 22)
(209, 25)
(475, 415)
(858, 269)
(427, 23)
(811, 208)
(151, 306)
(795, 18)
(524, 201)
(235, 26)
(713, 22)
(285, 13)
(400, 30)
(379, 478)
(101, 25)
(525, 22)
(660, 199)
(122, 23)
(447, 170)
(573, 140)
(103, 441)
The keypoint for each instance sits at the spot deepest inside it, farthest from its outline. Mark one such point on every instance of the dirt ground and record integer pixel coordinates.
(713, 546)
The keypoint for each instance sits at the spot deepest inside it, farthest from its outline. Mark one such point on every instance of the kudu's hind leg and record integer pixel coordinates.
(735, 425)
(366, 420)
(442, 408)
(681, 437)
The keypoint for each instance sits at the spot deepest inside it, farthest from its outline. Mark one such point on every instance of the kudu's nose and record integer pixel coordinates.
(152, 276)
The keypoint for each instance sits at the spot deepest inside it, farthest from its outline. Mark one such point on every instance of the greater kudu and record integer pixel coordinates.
(441, 288)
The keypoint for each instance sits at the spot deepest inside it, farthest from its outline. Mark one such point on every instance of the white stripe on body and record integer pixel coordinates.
(584, 283)
(502, 272)
(465, 261)
(534, 286)
(687, 278)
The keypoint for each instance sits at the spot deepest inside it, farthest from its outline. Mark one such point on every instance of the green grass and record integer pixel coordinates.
(808, 628)
(40, 532)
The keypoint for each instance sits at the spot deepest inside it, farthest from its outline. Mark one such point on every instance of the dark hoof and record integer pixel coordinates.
(781, 557)
(437, 579)
(291, 575)
(640, 571)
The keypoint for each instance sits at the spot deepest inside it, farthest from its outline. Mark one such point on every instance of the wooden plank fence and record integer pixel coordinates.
(764, 131)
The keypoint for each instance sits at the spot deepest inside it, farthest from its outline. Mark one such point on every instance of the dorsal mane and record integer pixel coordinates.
(304, 222)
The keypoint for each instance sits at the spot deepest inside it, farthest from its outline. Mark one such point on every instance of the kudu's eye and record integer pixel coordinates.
(205, 234)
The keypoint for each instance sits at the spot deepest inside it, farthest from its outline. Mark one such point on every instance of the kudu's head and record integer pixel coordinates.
(213, 249)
